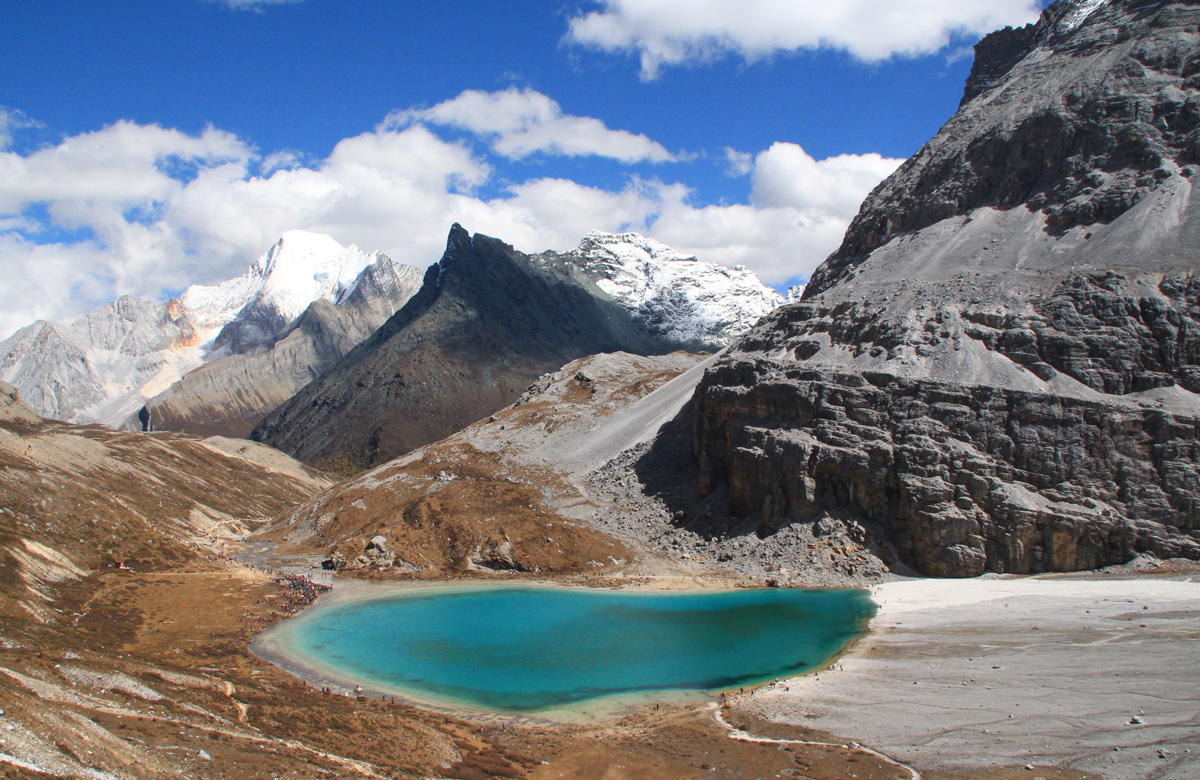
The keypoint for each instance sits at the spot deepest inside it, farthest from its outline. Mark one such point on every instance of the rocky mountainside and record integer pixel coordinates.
(487, 321)
(687, 301)
(103, 367)
(999, 368)
(495, 496)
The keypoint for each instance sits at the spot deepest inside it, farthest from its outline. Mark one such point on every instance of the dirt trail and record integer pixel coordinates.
(743, 736)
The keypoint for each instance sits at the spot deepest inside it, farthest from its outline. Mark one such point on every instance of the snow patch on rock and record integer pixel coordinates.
(1080, 15)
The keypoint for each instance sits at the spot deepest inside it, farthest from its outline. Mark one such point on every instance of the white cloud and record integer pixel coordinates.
(158, 209)
(252, 5)
(47, 281)
(90, 179)
(520, 122)
(740, 163)
(798, 212)
(12, 120)
(673, 32)
(779, 244)
(786, 175)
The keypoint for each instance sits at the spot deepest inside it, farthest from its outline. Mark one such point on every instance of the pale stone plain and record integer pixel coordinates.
(1004, 671)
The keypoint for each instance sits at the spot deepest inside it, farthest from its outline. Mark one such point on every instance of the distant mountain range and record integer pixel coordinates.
(489, 320)
(103, 367)
(217, 359)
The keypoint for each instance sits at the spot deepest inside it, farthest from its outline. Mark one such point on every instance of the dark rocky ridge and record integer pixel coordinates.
(999, 368)
(486, 323)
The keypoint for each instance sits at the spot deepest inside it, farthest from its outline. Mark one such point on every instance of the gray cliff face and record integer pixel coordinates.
(231, 395)
(961, 479)
(1000, 366)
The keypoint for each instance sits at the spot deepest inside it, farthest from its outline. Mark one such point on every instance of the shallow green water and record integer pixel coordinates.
(530, 649)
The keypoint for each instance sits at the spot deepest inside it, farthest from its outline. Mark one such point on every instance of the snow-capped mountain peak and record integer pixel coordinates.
(300, 268)
(688, 300)
(304, 267)
(103, 367)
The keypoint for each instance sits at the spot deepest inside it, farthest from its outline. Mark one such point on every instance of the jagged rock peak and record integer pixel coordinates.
(997, 53)
(458, 245)
(487, 321)
(300, 268)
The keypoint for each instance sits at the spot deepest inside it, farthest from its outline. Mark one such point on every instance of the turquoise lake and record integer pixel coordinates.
(521, 649)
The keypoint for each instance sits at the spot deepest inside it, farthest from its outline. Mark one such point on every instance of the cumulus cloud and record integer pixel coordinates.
(799, 210)
(520, 122)
(89, 180)
(786, 175)
(673, 32)
(144, 210)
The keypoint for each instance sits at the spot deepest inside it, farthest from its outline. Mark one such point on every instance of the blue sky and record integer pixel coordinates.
(148, 145)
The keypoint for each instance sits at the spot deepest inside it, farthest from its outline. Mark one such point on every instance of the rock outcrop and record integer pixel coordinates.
(12, 408)
(998, 368)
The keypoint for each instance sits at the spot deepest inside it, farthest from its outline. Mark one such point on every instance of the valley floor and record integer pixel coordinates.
(155, 679)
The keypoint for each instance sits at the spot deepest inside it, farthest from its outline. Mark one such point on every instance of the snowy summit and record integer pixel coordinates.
(104, 366)
(678, 296)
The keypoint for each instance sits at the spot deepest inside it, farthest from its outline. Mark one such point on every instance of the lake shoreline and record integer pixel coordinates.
(282, 647)
(957, 627)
